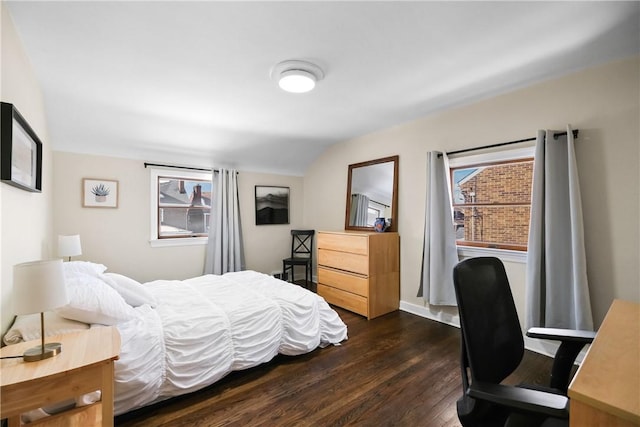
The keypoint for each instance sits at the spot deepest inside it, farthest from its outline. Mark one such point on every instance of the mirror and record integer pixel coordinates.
(372, 192)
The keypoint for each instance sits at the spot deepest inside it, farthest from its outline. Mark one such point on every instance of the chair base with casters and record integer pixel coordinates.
(301, 255)
(492, 348)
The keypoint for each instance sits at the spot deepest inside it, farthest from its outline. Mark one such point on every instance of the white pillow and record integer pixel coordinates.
(72, 268)
(27, 327)
(133, 292)
(93, 301)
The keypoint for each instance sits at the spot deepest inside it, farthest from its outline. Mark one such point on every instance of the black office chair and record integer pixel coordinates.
(492, 348)
(301, 254)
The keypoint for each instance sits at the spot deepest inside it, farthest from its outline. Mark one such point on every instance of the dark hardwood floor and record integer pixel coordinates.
(396, 370)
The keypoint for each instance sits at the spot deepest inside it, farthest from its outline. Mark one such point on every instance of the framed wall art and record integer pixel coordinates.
(99, 193)
(272, 205)
(20, 151)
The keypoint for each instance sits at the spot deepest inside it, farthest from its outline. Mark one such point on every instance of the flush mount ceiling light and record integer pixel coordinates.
(297, 76)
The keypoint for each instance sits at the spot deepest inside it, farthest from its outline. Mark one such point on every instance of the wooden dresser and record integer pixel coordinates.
(360, 271)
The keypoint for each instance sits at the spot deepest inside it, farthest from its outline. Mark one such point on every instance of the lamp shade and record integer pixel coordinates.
(69, 246)
(38, 286)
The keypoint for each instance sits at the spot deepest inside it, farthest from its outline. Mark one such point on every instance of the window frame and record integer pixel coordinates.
(493, 157)
(155, 173)
(379, 210)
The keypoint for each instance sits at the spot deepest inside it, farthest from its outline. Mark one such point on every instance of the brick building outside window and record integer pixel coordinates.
(492, 203)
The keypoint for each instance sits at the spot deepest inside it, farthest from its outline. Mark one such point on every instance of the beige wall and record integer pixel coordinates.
(119, 238)
(267, 245)
(602, 102)
(25, 218)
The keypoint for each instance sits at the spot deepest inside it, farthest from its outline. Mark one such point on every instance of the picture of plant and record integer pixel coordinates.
(99, 193)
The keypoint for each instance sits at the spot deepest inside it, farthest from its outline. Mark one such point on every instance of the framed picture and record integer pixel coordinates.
(272, 205)
(99, 193)
(20, 151)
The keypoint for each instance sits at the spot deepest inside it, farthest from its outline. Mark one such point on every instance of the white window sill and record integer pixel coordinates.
(186, 241)
(503, 254)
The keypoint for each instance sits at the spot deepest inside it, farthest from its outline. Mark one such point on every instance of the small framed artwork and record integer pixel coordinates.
(20, 151)
(272, 205)
(99, 193)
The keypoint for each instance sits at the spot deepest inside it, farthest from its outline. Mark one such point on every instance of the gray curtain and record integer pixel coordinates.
(225, 251)
(440, 254)
(557, 293)
(359, 210)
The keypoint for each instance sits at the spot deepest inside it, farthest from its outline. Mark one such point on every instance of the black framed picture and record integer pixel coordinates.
(20, 150)
(272, 205)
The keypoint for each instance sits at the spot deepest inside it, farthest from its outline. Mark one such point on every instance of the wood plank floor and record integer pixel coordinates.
(396, 370)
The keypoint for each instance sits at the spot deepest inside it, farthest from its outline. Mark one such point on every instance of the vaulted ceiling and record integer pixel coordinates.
(189, 82)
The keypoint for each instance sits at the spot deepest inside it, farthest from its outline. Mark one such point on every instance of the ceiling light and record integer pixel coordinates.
(297, 76)
(297, 81)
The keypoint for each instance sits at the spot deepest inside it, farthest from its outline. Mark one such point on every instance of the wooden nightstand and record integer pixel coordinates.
(84, 365)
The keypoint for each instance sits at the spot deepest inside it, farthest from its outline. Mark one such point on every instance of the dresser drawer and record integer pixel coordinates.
(352, 243)
(345, 281)
(347, 300)
(344, 261)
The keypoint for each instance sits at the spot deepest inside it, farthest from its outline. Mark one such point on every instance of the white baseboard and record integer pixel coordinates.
(547, 348)
(431, 313)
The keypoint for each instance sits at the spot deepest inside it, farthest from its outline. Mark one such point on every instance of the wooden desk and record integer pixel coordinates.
(84, 365)
(606, 389)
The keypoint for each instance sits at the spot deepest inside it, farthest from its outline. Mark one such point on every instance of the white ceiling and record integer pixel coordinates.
(189, 82)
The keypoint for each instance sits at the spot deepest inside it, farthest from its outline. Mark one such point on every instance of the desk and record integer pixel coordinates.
(606, 389)
(84, 365)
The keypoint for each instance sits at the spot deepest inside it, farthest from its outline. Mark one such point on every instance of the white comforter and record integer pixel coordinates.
(206, 327)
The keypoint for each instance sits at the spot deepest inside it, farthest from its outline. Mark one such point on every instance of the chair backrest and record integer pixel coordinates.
(302, 243)
(489, 321)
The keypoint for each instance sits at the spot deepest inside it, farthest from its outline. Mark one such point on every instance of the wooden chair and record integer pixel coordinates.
(301, 254)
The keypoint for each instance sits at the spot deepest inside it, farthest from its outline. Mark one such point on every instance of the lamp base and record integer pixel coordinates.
(35, 353)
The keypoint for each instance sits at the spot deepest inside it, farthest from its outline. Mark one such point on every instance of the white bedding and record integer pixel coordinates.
(205, 327)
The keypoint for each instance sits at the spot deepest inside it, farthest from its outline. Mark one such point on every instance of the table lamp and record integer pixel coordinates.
(69, 246)
(39, 286)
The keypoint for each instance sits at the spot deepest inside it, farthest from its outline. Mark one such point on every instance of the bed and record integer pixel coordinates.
(180, 336)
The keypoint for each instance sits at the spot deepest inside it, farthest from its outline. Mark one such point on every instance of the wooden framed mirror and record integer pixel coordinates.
(372, 192)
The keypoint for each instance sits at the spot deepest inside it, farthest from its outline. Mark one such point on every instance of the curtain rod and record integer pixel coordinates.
(500, 144)
(374, 201)
(146, 165)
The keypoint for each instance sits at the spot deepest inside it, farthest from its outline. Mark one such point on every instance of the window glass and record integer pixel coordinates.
(180, 206)
(184, 206)
(492, 203)
(372, 214)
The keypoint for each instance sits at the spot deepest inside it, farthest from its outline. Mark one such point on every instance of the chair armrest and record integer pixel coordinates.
(565, 335)
(571, 343)
(549, 404)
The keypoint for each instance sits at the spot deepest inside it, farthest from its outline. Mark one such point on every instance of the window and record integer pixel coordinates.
(180, 206)
(491, 196)
(375, 210)
(372, 214)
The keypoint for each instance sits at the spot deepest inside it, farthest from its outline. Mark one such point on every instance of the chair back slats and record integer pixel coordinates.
(302, 243)
(301, 255)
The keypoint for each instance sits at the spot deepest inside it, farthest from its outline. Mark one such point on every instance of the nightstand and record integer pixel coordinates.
(86, 364)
